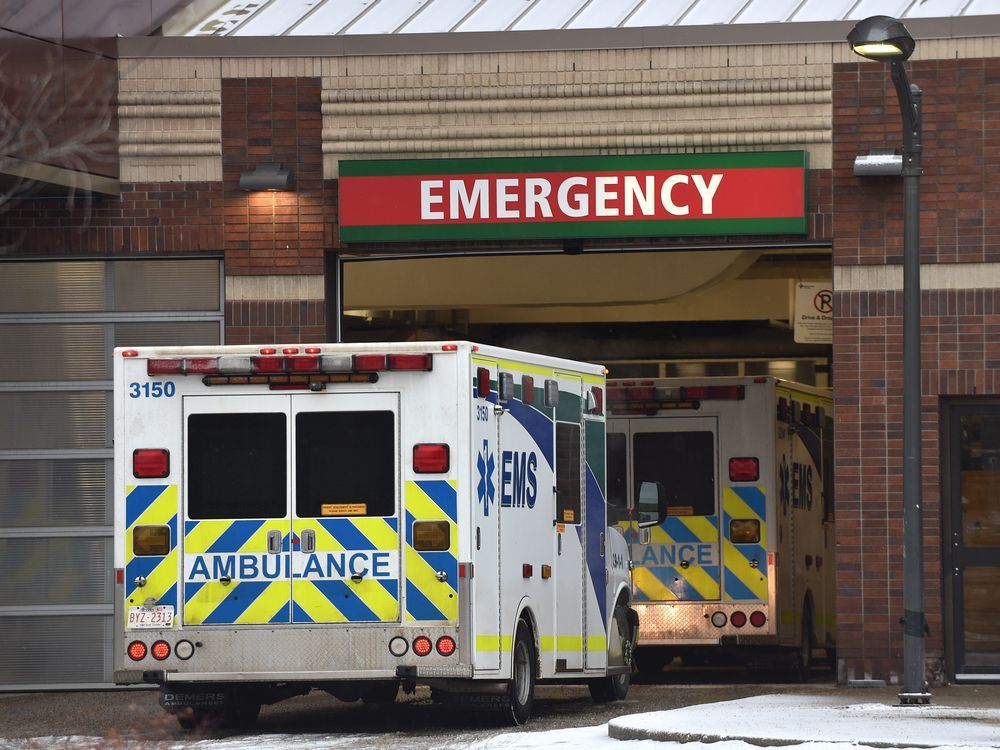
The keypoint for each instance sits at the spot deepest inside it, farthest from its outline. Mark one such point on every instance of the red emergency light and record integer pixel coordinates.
(150, 463)
(431, 458)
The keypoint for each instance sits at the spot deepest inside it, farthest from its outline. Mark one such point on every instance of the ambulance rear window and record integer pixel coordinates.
(345, 464)
(684, 463)
(236, 466)
(567, 473)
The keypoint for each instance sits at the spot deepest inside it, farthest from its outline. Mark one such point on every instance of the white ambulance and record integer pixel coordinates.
(725, 489)
(358, 517)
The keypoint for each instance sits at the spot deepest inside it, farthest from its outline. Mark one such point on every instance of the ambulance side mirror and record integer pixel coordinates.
(652, 505)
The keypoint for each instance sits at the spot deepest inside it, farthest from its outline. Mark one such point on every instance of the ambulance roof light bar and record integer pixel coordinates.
(647, 398)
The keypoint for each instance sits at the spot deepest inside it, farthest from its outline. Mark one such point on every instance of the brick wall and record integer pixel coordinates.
(263, 120)
(273, 120)
(959, 343)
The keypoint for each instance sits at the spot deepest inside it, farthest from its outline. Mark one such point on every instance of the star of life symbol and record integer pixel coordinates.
(486, 490)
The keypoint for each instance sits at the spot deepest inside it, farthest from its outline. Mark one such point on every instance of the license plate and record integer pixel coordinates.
(160, 616)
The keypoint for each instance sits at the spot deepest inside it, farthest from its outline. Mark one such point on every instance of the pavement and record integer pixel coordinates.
(956, 715)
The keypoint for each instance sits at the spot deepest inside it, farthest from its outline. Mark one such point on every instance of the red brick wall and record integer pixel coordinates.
(959, 343)
(273, 120)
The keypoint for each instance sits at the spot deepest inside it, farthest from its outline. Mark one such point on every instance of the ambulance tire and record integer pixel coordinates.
(615, 687)
(520, 694)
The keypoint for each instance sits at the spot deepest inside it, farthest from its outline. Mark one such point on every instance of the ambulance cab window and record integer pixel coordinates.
(567, 473)
(345, 464)
(617, 478)
(236, 466)
(684, 463)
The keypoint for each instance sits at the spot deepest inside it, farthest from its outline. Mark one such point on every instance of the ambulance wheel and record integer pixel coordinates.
(614, 687)
(520, 694)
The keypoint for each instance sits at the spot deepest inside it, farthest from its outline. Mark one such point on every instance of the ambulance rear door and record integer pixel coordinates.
(675, 555)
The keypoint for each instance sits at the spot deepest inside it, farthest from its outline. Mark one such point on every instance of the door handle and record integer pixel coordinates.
(308, 538)
(644, 536)
(274, 541)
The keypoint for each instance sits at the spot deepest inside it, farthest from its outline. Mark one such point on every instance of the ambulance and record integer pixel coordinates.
(360, 517)
(724, 487)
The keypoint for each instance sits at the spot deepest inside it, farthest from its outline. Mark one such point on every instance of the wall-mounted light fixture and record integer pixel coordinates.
(267, 176)
(878, 162)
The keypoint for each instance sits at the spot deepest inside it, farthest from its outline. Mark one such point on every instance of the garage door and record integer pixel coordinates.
(59, 321)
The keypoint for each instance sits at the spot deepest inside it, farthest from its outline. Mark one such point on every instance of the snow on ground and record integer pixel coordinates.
(808, 722)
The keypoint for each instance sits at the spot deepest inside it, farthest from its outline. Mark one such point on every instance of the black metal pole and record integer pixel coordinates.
(914, 624)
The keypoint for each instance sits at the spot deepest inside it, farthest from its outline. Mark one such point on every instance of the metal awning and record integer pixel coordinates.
(340, 17)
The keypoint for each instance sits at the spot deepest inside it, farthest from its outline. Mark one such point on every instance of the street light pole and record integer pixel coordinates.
(914, 624)
(887, 40)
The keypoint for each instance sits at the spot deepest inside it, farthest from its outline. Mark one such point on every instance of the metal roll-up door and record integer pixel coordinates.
(59, 321)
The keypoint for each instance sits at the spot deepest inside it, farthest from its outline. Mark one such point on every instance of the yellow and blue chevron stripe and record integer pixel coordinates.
(744, 582)
(251, 598)
(659, 577)
(329, 599)
(427, 598)
(151, 505)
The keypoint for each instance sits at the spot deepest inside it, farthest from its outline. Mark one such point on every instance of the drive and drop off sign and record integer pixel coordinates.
(573, 197)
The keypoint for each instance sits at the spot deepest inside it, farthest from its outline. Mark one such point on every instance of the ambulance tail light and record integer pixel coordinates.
(137, 651)
(719, 619)
(758, 619)
(369, 362)
(150, 463)
(411, 362)
(422, 645)
(738, 619)
(431, 458)
(595, 400)
(151, 541)
(268, 364)
(445, 645)
(196, 366)
(303, 364)
(690, 392)
(483, 382)
(466, 570)
(160, 650)
(745, 469)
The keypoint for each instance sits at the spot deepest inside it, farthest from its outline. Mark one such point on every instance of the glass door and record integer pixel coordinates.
(974, 518)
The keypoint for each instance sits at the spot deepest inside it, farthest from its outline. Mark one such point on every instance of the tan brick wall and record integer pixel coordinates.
(170, 115)
(590, 102)
(683, 99)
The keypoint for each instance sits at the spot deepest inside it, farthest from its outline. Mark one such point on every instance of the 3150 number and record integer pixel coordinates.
(152, 390)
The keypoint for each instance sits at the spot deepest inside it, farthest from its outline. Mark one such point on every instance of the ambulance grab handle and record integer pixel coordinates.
(308, 537)
(274, 541)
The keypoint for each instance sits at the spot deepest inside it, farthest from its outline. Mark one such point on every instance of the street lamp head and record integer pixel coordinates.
(881, 38)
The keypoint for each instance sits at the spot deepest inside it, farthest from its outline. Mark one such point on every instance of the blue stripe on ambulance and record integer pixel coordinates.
(443, 496)
(233, 538)
(243, 595)
(538, 426)
(343, 598)
(139, 499)
(741, 555)
(595, 554)
(737, 590)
